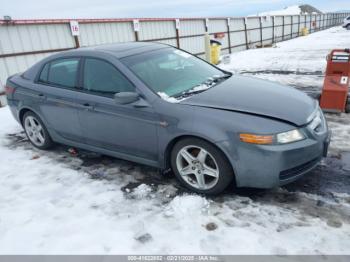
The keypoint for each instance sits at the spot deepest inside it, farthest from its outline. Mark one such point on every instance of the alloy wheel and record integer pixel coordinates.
(34, 131)
(197, 167)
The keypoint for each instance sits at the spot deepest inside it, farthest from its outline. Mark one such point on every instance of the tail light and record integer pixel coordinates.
(9, 90)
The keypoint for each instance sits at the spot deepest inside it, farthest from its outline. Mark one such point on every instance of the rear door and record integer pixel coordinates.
(58, 85)
(126, 129)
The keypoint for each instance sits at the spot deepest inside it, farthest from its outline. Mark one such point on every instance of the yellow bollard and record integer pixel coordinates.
(215, 49)
(215, 53)
(304, 31)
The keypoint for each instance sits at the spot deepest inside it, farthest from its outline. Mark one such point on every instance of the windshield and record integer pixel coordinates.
(172, 72)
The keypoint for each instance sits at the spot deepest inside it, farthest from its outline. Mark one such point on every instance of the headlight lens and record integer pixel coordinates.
(289, 137)
(281, 138)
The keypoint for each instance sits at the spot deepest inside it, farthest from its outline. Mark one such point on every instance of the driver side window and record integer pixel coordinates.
(103, 78)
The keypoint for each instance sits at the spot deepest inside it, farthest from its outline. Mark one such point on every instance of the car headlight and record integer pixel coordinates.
(281, 138)
(289, 137)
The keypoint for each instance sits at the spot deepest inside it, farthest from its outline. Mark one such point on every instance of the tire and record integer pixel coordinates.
(347, 107)
(200, 166)
(36, 131)
(348, 27)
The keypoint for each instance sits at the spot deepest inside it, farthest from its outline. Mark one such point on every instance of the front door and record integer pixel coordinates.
(126, 129)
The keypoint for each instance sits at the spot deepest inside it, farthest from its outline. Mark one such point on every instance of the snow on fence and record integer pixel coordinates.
(24, 42)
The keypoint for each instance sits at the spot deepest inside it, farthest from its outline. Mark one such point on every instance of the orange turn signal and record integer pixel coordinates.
(256, 139)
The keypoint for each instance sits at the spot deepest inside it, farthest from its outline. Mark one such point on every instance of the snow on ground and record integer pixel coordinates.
(300, 62)
(52, 202)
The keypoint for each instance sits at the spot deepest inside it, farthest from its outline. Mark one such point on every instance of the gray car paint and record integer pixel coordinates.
(217, 115)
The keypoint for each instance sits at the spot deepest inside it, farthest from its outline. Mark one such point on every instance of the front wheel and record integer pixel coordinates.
(348, 27)
(36, 131)
(200, 166)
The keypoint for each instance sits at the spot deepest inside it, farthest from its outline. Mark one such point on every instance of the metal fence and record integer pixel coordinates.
(24, 42)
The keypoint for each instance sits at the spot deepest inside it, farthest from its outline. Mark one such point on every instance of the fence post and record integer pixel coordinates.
(319, 23)
(177, 28)
(228, 21)
(206, 23)
(136, 25)
(299, 25)
(246, 33)
(322, 27)
(273, 30)
(261, 31)
(283, 28)
(291, 30)
(310, 23)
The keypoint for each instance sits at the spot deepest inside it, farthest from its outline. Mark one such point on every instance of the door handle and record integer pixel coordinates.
(41, 95)
(87, 106)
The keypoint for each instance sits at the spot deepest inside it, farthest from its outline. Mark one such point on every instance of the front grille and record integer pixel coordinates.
(292, 172)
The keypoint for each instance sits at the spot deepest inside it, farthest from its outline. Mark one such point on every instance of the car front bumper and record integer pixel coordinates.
(269, 166)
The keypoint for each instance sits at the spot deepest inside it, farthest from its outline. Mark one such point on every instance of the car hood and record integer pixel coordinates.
(255, 96)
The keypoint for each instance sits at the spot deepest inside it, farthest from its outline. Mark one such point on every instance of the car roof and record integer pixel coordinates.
(118, 50)
(121, 50)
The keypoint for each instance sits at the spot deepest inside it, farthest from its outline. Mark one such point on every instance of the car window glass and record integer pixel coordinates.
(62, 72)
(44, 73)
(104, 78)
(170, 71)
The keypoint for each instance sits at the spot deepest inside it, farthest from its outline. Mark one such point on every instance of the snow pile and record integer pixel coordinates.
(290, 10)
(167, 98)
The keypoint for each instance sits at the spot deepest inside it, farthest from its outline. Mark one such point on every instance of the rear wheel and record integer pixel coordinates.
(348, 27)
(200, 166)
(36, 131)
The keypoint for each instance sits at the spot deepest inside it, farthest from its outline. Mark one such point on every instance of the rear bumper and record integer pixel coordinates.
(273, 166)
(13, 108)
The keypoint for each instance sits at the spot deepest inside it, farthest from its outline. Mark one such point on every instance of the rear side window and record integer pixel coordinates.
(103, 78)
(61, 72)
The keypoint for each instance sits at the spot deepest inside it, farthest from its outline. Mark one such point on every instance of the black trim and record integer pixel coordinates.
(298, 170)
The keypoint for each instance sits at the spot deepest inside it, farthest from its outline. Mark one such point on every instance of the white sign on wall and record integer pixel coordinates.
(177, 24)
(136, 25)
(74, 28)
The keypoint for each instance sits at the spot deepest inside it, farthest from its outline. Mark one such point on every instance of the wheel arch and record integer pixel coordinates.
(171, 144)
(22, 112)
(25, 109)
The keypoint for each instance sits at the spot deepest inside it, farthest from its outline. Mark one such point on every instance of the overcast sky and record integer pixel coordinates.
(152, 8)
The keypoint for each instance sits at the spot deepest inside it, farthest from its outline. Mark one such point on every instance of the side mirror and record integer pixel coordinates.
(126, 97)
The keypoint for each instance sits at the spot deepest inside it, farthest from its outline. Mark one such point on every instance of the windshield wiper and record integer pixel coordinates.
(210, 82)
